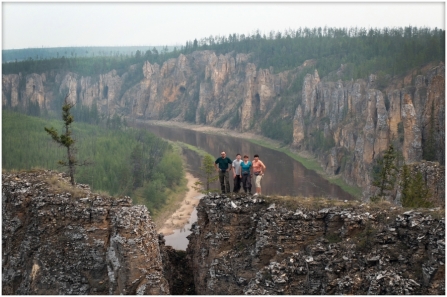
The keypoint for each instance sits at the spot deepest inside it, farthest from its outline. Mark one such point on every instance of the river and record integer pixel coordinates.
(284, 176)
(178, 239)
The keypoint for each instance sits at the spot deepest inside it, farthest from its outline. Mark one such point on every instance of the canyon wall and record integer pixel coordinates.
(361, 122)
(347, 125)
(57, 240)
(178, 90)
(252, 246)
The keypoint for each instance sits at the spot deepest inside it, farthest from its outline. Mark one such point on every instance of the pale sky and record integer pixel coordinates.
(57, 24)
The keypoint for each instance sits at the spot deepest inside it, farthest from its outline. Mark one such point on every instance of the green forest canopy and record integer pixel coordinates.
(388, 51)
(391, 50)
(12, 55)
(125, 162)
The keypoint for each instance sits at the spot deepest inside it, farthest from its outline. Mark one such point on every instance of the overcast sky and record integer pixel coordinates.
(38, 24)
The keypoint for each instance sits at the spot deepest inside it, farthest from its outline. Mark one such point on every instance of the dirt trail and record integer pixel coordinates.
(182, 215)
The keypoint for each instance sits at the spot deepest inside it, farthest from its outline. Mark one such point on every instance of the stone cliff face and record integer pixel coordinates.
(62, 240)
(434, 177)
(176, 270)
(10, 90)
(353, 120)
(57, 242)
(220, 86)
(251, 246)
(363, 121)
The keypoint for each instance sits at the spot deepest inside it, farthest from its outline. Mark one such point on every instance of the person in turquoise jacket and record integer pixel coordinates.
(247, 173)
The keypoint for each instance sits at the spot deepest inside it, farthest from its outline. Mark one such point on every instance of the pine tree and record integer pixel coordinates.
(385, 176)
(66, 140)
(415, 192)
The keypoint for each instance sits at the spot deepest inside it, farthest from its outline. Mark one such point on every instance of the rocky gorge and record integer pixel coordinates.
(346, 125)
(58, 239)
(361, 121)
(257, 246)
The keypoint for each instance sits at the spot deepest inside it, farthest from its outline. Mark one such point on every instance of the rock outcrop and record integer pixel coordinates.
(224, 87)
(10, 90)
(59, 240)
(176, 270)
(362, 121)
(347, 125)
(256, 246)
(298, 127)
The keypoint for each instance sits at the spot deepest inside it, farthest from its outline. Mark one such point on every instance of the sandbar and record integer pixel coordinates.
(182, 215)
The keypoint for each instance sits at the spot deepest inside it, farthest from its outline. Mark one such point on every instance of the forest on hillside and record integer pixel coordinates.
(12, 55)
(126, 161)
(337, 53)
(391, 51)
(386, 52)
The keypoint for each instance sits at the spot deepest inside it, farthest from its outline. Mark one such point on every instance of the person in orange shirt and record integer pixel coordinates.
(258, 170)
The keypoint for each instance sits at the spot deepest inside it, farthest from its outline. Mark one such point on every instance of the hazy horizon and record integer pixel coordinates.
(54, 25)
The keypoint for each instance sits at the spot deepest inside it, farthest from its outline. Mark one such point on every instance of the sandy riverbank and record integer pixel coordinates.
(209, 129)
(183, 213)
(228, 132)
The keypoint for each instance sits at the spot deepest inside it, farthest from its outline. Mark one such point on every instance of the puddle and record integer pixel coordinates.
(178, 239)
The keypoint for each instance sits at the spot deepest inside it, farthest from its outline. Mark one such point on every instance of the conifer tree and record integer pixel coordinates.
(66, 140)
(385, 178)
(208, 172)
(415, 192)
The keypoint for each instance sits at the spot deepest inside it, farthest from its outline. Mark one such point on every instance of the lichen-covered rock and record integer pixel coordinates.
(258, 246)
(72, 241)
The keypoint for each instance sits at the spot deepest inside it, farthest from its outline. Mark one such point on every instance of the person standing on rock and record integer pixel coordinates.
(237, 177)
(259, 170)
(247, 174)
(223, 168)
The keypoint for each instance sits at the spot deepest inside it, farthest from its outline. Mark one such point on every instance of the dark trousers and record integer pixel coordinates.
(224, 178)
(246, 182)
(237, 184)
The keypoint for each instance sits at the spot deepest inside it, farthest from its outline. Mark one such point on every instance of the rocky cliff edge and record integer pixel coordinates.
(247, 245)
(62, 240)
(57, 239)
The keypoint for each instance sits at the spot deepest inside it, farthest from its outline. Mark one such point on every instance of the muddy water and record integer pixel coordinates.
(284, 176)
(178, 239)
